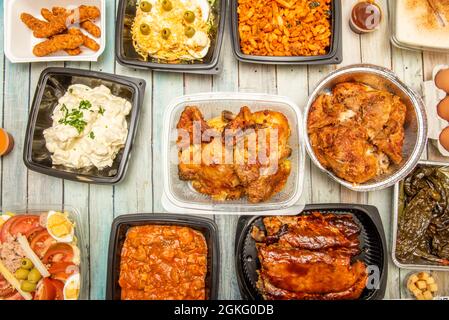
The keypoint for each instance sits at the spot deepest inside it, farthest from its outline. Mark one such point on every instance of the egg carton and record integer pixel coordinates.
(433, 96)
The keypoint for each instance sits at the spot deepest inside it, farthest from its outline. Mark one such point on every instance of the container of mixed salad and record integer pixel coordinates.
(42, 254)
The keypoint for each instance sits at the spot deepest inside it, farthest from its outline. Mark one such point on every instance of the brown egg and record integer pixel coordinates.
(442, 80)
(443, 109)
(444, 138)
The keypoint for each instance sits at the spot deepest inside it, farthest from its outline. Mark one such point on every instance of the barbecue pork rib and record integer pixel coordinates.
(310, 257)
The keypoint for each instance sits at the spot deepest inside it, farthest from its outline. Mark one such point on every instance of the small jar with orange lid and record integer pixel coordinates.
(6, 142)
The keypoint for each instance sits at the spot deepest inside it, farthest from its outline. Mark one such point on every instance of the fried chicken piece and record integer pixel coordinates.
(349, 94)
(267, 176)
(59, 21)
(32, 22)
(375, 106)
(47, 14)
(196, 159)
(87, 41)
(191, 118)
(223, 170)
(87, 25)
(391, 139)
(56, 43)
(215, 179)
(81, 14)
(218, 181)
(59, 11)
(357, 131)
(346, 151)
(92, 28)
(74, 52)
(43, 29)
(325, 112)
(265, 186)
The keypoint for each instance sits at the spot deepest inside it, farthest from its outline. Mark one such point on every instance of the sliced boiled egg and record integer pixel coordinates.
(202, 4)
(198, 45)
(76, 255)
(5, 217)
(205, 9)
(72, 287)
(60, 227)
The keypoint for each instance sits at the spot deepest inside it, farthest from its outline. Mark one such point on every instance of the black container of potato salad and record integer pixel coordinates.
(333, 56)
(122, 224)
(52, 85)
(126, 54)
(372, 244)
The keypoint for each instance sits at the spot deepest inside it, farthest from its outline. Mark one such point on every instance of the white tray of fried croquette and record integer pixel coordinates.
(20, 40)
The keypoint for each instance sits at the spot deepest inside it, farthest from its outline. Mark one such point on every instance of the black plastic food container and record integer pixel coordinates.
(120, 227)
(52, 85)
(372, 241)
(334, 56)
(127, 56)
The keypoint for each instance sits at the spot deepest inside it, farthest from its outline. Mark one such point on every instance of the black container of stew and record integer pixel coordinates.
(122, 224)
(372, 244)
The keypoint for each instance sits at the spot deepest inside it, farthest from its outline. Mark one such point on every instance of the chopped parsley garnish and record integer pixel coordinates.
(314, 4)
(101, 110)
(85, 105)
(75, 117)
(92, 135)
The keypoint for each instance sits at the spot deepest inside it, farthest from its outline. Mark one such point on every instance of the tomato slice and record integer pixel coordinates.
(58, 252)
(15, 296)
(4, 232)
(46, 290)
(41, 242)
(24, 224)
(59, 289)
(63, 266)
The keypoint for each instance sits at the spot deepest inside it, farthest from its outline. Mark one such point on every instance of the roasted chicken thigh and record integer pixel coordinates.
(357, 131)
(232, 156)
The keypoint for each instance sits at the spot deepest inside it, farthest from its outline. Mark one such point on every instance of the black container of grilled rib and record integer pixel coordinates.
(334, 55)
(126, 54)
(52, 85)
(372, 243)
(120, 227)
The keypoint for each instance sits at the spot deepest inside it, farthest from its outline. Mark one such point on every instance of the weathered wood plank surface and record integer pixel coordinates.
(142, 188)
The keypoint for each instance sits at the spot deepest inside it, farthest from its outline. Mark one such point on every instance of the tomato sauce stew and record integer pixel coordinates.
(160, 262)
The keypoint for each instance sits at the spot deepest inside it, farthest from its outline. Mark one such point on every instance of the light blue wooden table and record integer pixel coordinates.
(141, 190)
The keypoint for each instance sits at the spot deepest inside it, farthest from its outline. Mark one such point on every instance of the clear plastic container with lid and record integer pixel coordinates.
(81, 237)
(416, 25)
(180, 197)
